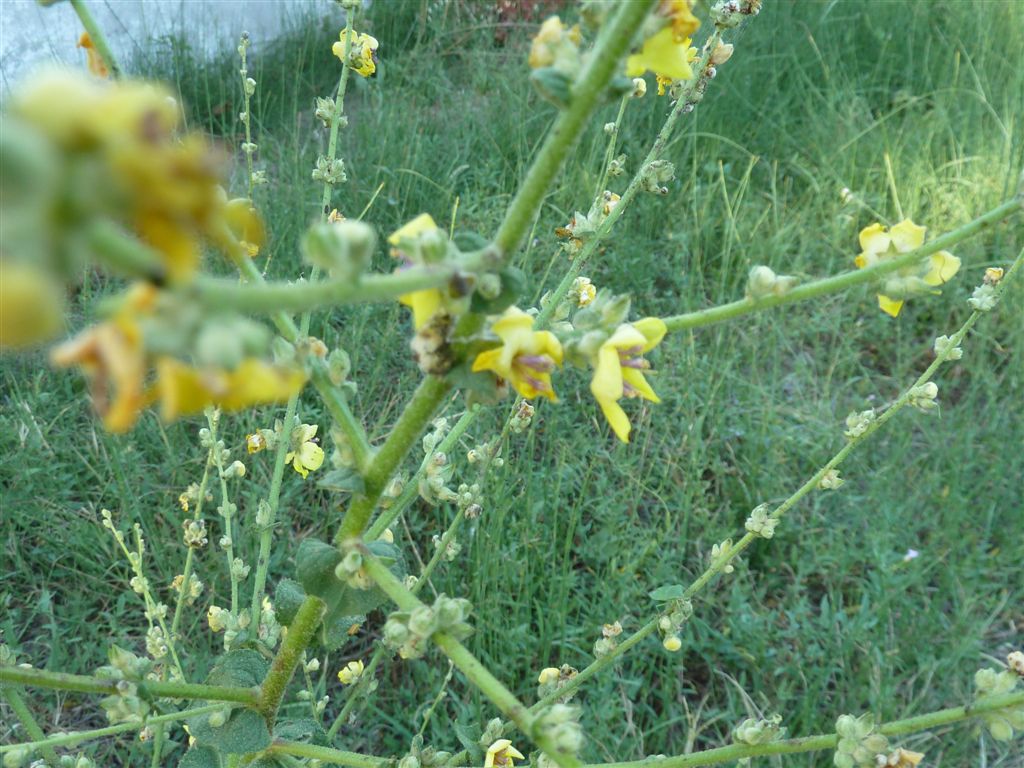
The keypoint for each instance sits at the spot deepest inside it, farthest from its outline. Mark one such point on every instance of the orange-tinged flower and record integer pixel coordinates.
(94, 61)
(526, 358)
(113, 358)
(619, 370)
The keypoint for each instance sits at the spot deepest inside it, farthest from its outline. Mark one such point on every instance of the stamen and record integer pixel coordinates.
(539, 363)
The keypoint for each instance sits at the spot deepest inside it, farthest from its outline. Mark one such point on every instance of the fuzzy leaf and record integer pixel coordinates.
(302, 729)
(243, 668)
(314, 567)
(287, 598)
(244, 731)
(668, 592)
(200, 757)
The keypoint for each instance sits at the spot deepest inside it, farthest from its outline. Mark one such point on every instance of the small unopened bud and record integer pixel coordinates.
(672, 643)
(639, 87)
(993, 275)
(721, 54)
(344, 248)
(945, 346)
(1015, 661)
(923, 397)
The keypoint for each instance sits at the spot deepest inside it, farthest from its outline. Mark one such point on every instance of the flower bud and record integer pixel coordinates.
(721, 54)
(344, 249)
(639, 87)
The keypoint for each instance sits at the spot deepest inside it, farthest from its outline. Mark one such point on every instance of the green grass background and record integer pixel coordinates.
(824, 619)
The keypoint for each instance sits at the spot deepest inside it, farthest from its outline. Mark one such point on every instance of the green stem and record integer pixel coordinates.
(469, 665)
(244, 72)
(339, 110)
(615, 39)
(328, 755)
(99, 41)
(39, 678)
(300, 633)
(635, 183)
(212, 419)
(227, 295)
(333, 399)
(842, 281)
(410, 425)
(190, 555)
(72, 739)
(411, 491)
(273, 503)
(828, 740)
(28, 722)
(609, 153)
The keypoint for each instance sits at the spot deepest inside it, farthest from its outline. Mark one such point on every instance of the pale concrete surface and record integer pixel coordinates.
(32, 36)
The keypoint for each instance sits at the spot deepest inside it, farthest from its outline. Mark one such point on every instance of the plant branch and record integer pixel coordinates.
(64, 681)
(844, 280)
(300, 632)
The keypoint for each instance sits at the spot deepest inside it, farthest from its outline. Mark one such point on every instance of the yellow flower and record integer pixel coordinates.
(245, 224)
(880, 245)
(255, 442)
(309, 456)
(552, 39)
(95, 62)
(425, 303)
(31, 305)
(501, 755)
(113, 358)
(362, 55)
(183, 390)
(664, 55)
(525, 358)
(619, 367)
(351, 672)
(680, 17)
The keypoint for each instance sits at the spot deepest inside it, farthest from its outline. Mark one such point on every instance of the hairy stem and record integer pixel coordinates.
(28, 722)
(300, 632)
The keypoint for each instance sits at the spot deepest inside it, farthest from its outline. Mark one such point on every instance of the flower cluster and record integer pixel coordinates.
(879, 245)
(358, 52)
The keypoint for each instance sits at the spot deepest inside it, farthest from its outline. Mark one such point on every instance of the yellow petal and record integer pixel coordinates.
(653, 330)
(245, 224)
(874, 240)
(31, 305)
(663, 55)
(907, 236)
(636, 380)
(422, 223)
(424, 305)
(617, 418)
(491, 360)
(942, 266)
(607, 381)
(181, 389)
(889, 306)
(255, 382)
(547, 343)
(311, 455)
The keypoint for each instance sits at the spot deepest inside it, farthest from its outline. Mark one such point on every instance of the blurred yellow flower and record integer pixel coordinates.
(31, 304)
(255, 442)
(308, 456)
(526, 358)
(245, 224)
(362, 55)
(879, 245)
(501, 754)
(619, 367)
(680, 17)
(552, 40)
(665, 55)
(351, 672)
(184, 390)
(94, 61)
(424, 304)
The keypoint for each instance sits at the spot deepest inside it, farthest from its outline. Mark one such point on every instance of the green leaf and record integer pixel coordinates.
(200, 757)
(668, 592)
(314, 567)
(334, 631)
(302, 729)
(265, 762)
(244, 668)
(287, 598)
(244, 731)
(469, 736)
(347, 480)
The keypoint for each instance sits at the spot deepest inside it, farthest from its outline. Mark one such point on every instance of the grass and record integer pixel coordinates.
(825, 619)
